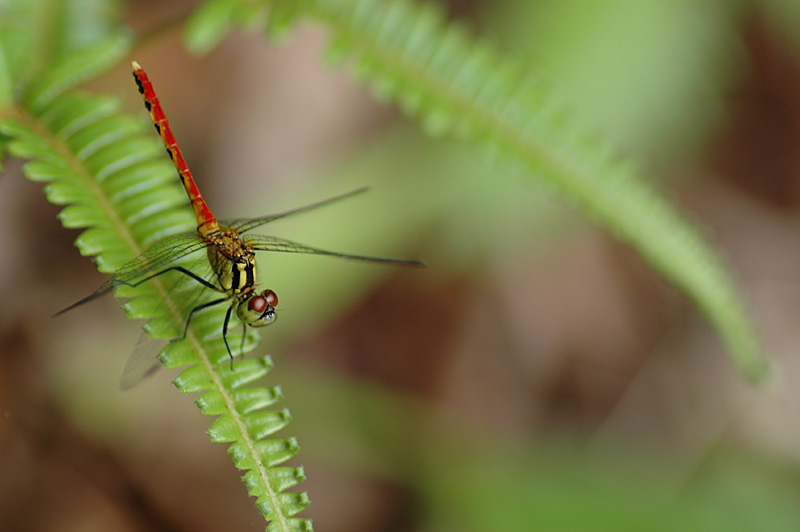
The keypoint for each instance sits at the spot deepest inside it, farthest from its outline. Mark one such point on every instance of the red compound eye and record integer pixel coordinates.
(271, 297)
(257, 304)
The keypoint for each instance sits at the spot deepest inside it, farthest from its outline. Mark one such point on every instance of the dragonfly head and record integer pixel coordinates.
(258, 310)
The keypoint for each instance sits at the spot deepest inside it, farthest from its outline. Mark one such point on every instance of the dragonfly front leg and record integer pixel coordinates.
(198, 308)
(244, 333)
(225, 333)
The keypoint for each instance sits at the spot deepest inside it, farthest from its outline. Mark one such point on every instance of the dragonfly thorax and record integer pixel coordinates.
(233, 262)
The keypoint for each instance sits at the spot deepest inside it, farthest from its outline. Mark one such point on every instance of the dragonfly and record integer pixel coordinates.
(230, 252)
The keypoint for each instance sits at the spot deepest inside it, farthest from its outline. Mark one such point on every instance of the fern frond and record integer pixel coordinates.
(209, 24)
(454, 83)
(77, 68)
(212, 21)
(81, 37)
(116, 182)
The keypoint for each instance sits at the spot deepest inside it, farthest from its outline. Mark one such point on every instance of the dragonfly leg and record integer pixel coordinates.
(244, 333)
(177, 269)
(114, 283)
(225, 333)
(198, 308)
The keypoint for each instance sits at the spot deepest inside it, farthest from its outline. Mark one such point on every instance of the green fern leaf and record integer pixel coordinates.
(213, 20)
(81, 37)
(6, 81)
(116, 182)
(281, 17)
(453, 83)
(77, 68)
(208, 25)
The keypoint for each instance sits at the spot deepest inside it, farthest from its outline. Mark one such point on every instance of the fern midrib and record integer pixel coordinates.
(248, 441)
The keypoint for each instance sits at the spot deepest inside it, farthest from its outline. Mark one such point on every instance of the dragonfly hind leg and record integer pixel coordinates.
(106, 288)
(177, 269)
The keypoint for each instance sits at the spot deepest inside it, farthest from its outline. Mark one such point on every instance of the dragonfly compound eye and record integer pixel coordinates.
(271, 297)
(257, 304)
(258, 310)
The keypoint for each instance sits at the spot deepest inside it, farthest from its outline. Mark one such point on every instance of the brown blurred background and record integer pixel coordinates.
(536, 376)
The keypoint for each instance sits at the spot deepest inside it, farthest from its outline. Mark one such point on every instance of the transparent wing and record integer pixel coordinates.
(157, 257)
(273, 243)
(142, 362)
(242, 225)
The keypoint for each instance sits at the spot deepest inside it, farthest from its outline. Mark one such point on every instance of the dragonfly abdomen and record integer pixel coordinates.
(206, 222)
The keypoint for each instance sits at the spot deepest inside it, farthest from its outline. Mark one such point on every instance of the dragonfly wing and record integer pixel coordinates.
(142, 362)
(274, 243)
(157, 257)
(242, 225)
